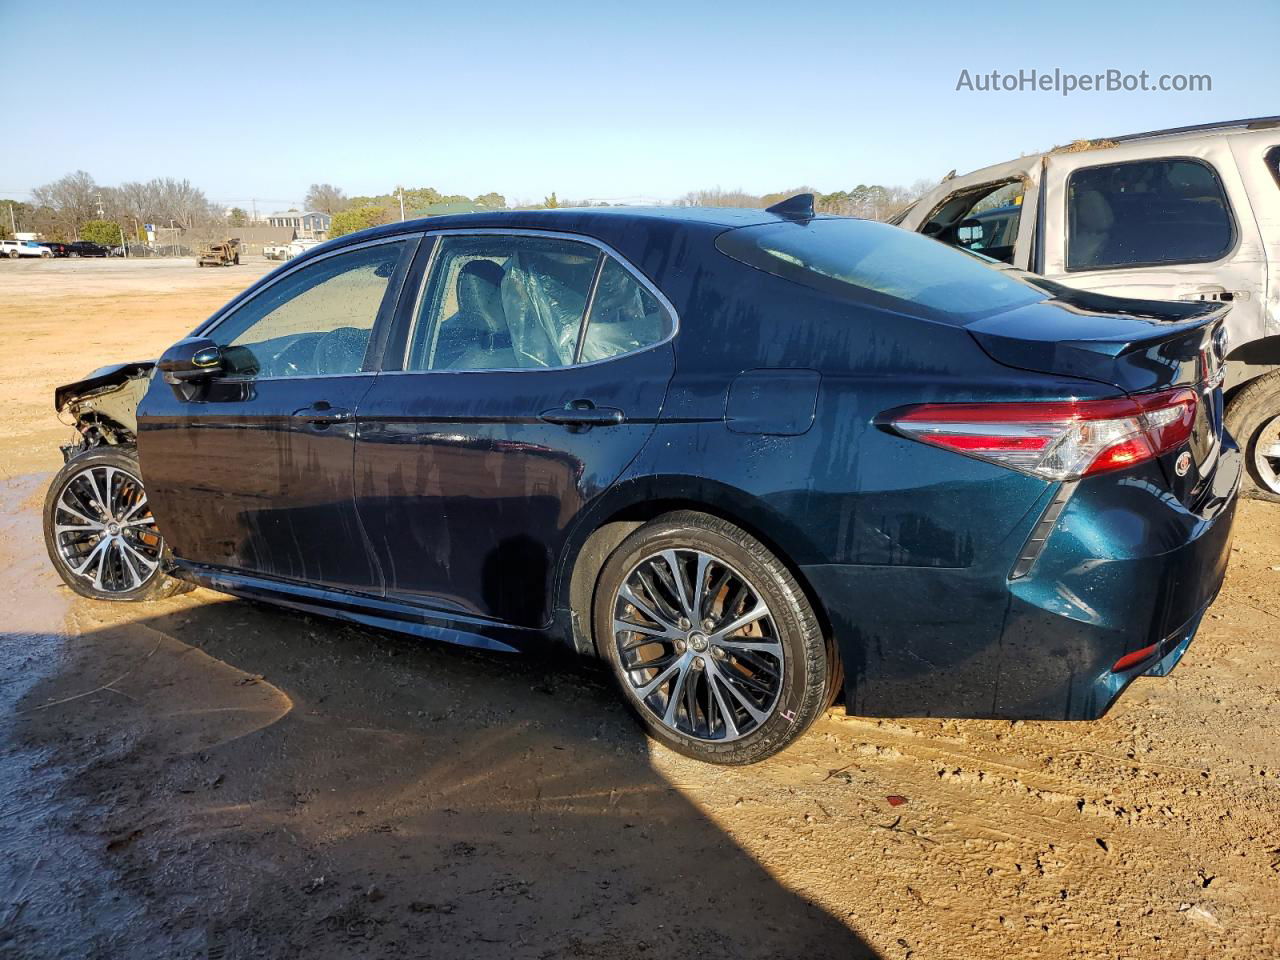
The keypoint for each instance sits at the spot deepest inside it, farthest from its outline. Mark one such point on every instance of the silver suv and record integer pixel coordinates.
(1191, 213)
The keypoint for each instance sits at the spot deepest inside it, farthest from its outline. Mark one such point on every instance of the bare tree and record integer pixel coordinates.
(719, 198)
(326, 198)
(70, 201)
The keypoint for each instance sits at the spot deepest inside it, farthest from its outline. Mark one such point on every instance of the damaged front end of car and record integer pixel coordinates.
(103, 407)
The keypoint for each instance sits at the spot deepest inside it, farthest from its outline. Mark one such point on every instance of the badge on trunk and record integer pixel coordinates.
(1182, 464)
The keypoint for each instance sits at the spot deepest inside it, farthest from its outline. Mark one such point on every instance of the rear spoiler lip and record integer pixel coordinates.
(108, 376)
(1101, 357)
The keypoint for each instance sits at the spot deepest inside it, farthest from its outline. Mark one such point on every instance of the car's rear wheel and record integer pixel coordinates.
(1253, 419)
(710, 638)
(100, 532)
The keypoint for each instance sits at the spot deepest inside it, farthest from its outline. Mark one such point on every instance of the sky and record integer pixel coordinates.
(607, 101)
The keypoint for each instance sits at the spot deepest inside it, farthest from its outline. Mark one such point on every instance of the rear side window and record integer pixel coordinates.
(883, 265)
(1273, 163)
(495, 302)
(1147, 212)
(625, 316)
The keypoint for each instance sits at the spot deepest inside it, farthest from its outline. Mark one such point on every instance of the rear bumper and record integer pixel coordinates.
(1126, 567)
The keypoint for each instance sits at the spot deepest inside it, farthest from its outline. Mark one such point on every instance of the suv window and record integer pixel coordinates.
(314, 322)
(889, 266)
(983, 218)
(1146, 212)
(1273, 163)
(497, 302)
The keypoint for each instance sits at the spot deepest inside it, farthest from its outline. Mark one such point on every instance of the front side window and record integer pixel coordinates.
(983, 219)
(498, 302)
(313, 322)
(1147, 212)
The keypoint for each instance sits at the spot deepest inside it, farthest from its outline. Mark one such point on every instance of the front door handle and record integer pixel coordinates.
(583, 414)
(321, 414)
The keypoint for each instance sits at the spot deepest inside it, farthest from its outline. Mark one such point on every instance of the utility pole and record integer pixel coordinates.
(102, 214)
(400, 191)
(12, 222)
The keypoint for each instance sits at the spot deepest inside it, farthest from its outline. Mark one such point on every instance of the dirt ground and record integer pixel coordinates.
(206, 777)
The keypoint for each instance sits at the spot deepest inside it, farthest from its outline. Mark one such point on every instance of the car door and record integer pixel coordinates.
(1157, 224)
(534, 368)
(253, 472)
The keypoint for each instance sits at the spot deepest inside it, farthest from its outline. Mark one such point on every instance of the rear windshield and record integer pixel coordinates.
(882, 265)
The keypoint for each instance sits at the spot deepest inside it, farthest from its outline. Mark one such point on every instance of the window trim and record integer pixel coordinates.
(1227, 253)
(583, 238)
(386, 309)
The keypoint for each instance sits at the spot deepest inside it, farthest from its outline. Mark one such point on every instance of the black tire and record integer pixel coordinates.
(1247, 418)
(804, 686)
(13, 254)
(121, 570)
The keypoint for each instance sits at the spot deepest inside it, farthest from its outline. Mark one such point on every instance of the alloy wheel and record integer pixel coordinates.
(1266, 454)
(698, 645)
(104, 531)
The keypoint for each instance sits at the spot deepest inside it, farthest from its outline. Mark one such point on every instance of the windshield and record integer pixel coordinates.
(884, 266)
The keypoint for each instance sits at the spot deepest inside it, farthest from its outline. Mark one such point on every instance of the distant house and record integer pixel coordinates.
(312, 225)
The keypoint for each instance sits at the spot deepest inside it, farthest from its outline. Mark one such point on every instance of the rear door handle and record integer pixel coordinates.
(582, 413)
(321, 414)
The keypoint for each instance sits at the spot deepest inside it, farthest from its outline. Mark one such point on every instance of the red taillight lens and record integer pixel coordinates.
(1130, 660)
(1057, 440)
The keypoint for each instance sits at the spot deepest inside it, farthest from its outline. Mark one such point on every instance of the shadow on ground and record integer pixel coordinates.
(227, 780)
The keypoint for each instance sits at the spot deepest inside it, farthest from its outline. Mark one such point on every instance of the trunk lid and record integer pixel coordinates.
(1136, 346)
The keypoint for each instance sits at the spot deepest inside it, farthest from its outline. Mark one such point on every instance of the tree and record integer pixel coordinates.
(494, 201)
(103, 232)
(71, 200)
(357, 218)
(14, 215)
(326, 198)
(236, 217)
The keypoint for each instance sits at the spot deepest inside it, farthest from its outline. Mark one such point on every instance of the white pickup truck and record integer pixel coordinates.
(1191, 213)
(13, 249)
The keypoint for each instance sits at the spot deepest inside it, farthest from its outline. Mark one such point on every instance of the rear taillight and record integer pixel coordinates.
(1057, 440)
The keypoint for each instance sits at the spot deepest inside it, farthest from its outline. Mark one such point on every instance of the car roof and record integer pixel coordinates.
(590, 221)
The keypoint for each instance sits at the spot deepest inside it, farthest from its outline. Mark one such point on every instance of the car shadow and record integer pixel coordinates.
(256, 782)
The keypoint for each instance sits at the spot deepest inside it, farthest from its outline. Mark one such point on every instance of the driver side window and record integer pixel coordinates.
(315, 321)
(983, 219)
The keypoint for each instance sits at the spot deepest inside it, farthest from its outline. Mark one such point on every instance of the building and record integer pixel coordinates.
(312, 225)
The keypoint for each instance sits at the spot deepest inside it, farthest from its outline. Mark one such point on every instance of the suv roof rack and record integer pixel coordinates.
(1249, 123)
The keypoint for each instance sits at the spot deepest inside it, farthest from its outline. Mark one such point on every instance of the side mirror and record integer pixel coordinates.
(190, 361)
(970, 232)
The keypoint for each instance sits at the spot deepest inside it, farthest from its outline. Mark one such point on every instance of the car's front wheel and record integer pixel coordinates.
(714, 644)
(100, 532)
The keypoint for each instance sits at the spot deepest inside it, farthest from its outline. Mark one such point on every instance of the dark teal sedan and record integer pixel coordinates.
(754, 460)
